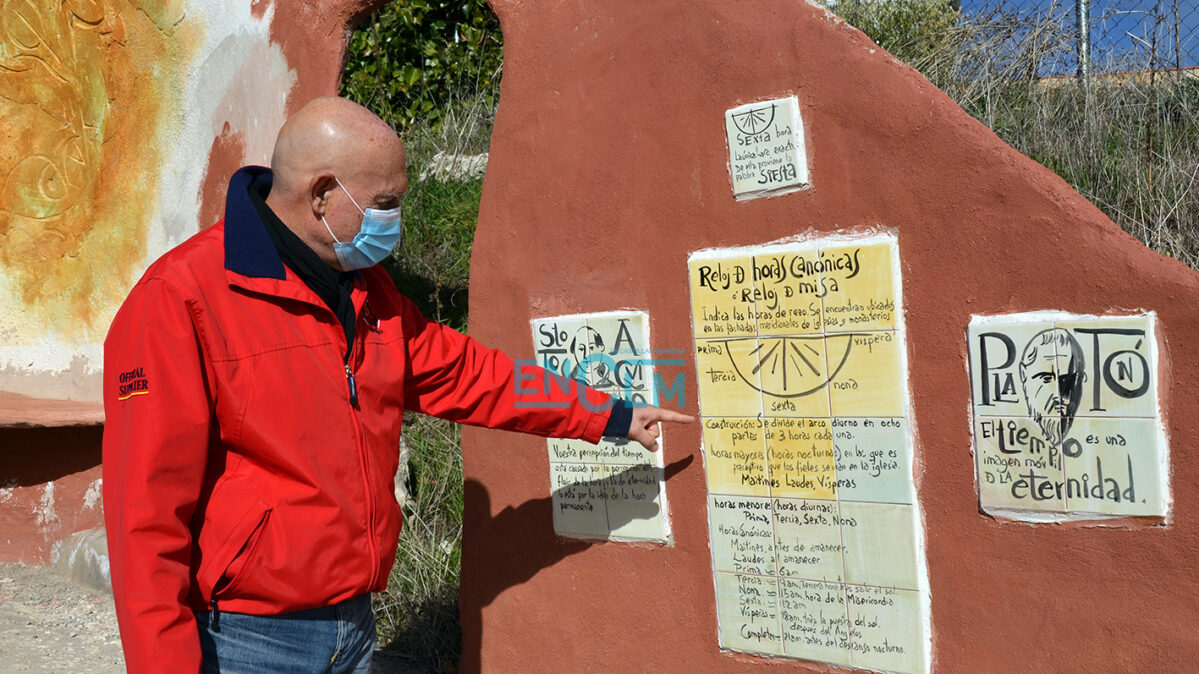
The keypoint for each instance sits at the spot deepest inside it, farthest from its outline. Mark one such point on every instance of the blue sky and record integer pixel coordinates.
(1115, 22)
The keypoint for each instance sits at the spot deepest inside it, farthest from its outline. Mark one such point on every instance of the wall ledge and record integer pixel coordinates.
(19, 411)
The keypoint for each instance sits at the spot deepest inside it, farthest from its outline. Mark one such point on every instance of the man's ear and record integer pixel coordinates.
(319, 188)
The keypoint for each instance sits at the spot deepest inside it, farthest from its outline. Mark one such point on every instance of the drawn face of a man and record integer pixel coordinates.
(587, 342)
(1052, 371)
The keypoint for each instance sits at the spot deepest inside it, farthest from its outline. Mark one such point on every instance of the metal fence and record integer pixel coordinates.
(1109, 36)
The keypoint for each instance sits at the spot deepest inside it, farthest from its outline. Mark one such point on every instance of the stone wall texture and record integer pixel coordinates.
(609, 164)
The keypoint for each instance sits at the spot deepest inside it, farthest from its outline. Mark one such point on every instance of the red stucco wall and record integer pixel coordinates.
(608, 165)
(50, 489)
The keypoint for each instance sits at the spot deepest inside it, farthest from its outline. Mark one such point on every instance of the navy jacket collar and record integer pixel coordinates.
(249, 250)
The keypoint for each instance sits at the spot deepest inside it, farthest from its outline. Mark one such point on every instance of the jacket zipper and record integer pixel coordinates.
(351, 382)
(363, 459)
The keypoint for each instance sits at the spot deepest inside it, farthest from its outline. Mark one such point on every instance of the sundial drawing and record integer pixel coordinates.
(790, 367)
(754, 120)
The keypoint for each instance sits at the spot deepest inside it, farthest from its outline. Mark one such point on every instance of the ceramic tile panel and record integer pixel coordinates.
(814, 620)
(794, 375)
(1116, 354)
(880, 546)
(866, 378)
(735, 456)
(578, 502)
(566, 450)
(995, 356)
(882, 634)
(722, 297)
(786, 290)
(628, 453)
(622, 364)
(860, 289)
(744, 529)
(1113, 469)
(604, 451)
(1067, 421)
(1016, 467)
(601, 477)
(727, 388)
(613, 489)
(799, 454)
(808, 455)
(807, 539)
(560, 344)
(635, 503)
(766, 147)
(749, 619)
(873, 463)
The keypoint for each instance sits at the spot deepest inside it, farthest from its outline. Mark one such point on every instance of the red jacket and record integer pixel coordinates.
(236, 466)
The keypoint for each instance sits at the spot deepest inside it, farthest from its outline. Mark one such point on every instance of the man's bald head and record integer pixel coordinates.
(329, 144)
(329, 133)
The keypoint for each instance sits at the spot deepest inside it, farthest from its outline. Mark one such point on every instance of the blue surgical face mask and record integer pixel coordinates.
(378, 236)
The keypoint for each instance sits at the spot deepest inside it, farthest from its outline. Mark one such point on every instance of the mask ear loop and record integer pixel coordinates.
(343, 189)
(330, 230)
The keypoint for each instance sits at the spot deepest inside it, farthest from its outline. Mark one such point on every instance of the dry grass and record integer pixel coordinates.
(418, 614)
(1127, 142)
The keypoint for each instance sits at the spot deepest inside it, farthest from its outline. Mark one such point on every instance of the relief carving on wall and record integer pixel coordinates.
(86, 86)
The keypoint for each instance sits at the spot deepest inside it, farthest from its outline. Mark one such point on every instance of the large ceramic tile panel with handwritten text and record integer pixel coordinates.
(815, 535)
(1066, 418)
(613, 490)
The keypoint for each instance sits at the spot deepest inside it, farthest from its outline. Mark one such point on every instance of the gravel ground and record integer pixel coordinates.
(49, 624)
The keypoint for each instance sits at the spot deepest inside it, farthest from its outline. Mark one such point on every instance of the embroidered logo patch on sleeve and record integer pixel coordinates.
(133, 383)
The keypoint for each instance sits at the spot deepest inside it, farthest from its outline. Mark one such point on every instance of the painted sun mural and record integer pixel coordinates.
(86, 88)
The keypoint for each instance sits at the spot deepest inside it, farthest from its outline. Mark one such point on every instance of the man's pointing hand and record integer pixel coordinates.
(645, 424)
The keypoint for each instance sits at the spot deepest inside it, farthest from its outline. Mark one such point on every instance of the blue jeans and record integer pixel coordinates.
(329, 640)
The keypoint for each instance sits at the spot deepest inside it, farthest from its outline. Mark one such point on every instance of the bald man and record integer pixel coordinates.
(254, 388)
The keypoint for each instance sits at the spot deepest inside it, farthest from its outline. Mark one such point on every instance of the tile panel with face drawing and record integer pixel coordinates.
(1067, 424)
(614, 490)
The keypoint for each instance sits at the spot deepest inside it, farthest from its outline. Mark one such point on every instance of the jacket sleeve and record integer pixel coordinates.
(157, 410)
(454, 377)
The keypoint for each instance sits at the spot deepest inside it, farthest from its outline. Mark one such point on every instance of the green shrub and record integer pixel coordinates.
(412, 58)
(432, 264)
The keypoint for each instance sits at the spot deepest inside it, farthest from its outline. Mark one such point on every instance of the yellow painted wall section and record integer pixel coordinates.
(86, 88)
